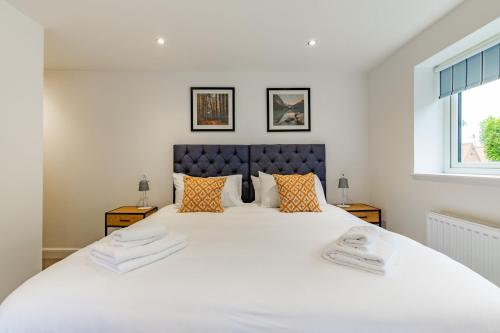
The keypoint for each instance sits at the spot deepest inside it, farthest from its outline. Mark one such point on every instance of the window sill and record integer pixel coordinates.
(459, 178)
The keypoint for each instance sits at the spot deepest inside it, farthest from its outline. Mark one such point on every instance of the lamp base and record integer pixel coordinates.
(144, 208)
(343, 206)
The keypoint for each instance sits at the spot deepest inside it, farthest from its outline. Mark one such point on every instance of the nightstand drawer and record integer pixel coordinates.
(126, 215)
(122, 220)
(368, 216)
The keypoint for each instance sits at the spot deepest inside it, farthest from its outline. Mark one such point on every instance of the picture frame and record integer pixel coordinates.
(288, 109)
(212, 109)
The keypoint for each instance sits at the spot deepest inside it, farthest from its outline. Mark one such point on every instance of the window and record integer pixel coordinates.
(474, 130)
(456, 119)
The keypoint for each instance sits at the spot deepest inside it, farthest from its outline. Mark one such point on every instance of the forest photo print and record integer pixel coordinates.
(212, 109)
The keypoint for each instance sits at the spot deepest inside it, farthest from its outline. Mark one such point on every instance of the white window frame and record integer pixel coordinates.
(452, 164)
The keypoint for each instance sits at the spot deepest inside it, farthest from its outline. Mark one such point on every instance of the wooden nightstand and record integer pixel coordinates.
(125, 216)
(366, 212)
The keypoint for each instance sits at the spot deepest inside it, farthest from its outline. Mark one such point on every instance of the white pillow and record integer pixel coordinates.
(320, 194)
(231, 193)
(270, 198)
(256, 188)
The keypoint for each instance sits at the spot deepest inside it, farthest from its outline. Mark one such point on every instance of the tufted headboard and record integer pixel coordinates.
(288, 159)
(214, 160)
(224, 160)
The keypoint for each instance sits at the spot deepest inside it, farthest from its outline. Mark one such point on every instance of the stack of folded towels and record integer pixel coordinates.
(367, 248)
(136, 246)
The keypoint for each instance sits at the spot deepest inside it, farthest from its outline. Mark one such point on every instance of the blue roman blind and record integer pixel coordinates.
(471, 72)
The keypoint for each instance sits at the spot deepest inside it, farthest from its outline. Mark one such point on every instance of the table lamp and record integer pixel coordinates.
(144, 188)
(344, 185)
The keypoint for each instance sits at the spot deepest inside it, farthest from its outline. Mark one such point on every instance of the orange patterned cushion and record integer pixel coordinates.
(297, 193)
(202, 195)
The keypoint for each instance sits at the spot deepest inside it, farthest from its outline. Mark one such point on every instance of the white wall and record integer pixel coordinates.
(21, 81)
(406, 200)
(103, 130)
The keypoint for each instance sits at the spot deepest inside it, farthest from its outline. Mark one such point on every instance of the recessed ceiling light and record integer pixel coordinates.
(160, 41)
(311, 43)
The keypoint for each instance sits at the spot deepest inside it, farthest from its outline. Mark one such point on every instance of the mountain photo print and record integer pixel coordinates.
(288, 109)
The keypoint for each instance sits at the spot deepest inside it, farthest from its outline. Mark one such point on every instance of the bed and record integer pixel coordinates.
(253, 269)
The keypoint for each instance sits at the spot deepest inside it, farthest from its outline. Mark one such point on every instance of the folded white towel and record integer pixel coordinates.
(115, 255)
(132, 264)
(379, 252)
(374, 257)
(353, 263)
(139, 231)
(360, 236)
(128, 244)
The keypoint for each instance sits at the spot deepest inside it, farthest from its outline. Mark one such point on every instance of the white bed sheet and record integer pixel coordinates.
(254, 269)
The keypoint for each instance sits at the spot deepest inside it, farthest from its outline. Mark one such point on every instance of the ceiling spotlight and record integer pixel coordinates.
(311, 43)
(160, 41)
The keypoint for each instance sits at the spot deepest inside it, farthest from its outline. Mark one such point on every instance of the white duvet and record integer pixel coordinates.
(254, 269)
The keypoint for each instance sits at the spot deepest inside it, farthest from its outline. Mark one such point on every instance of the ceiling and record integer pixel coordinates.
(228, 35)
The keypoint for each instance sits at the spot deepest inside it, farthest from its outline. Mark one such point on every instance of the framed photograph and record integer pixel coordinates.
(288, 109)
(212, 109)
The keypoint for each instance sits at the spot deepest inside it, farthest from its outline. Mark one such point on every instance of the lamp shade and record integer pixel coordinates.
(144, 184)
(343, 182)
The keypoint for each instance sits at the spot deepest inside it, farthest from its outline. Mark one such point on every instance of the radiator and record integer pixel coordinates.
(474, 245)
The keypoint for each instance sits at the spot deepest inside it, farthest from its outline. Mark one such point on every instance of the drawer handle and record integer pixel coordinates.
(363, 217)
(122, 220)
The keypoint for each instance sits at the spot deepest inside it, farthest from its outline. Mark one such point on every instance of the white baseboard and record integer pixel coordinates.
(57, 252)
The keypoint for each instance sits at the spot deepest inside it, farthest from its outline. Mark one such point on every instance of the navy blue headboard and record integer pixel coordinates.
(288, 159)
(214, 160)
(224, 160)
